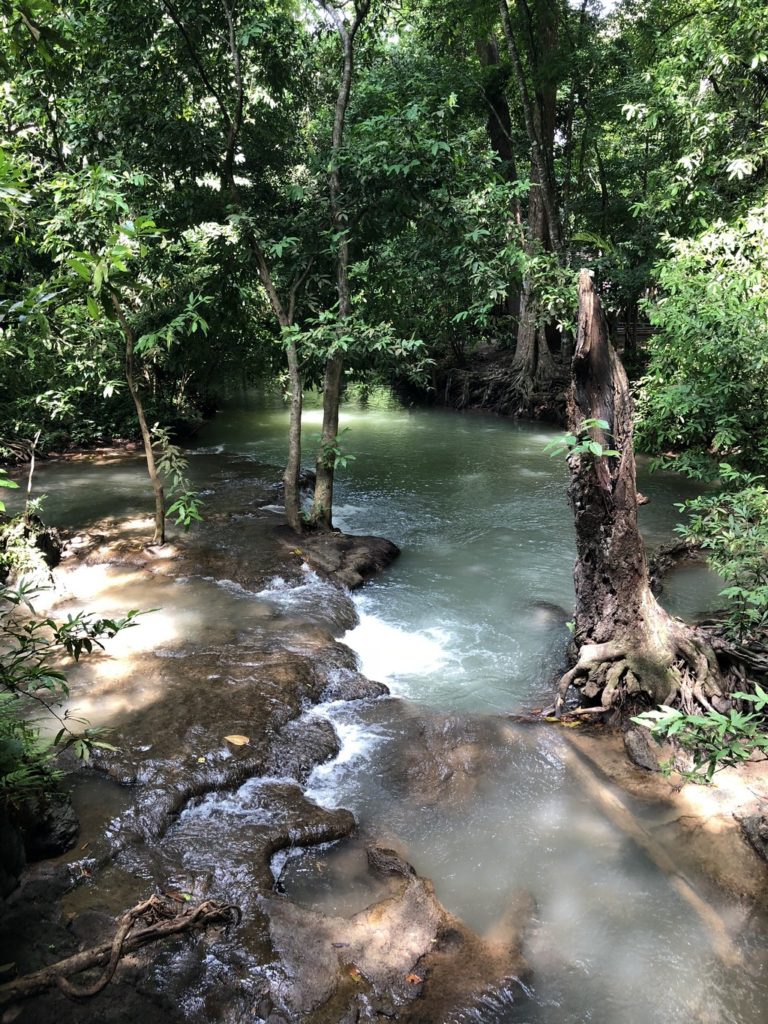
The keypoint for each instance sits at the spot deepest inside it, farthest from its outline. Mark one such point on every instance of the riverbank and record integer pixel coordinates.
(489, 383)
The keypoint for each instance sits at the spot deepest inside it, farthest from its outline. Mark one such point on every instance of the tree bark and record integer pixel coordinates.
(537, 91)
(533, 360)
(322, 506)
(146, 436)
(291, 474)
(499, 128)
(161, 921)
(628, 646)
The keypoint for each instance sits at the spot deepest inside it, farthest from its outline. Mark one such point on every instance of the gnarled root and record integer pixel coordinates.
(160, 919)
(669, 665)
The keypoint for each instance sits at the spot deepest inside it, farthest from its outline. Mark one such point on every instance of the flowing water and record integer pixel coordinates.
(468, 625)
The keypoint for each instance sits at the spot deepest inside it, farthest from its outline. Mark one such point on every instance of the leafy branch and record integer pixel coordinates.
(583, 443)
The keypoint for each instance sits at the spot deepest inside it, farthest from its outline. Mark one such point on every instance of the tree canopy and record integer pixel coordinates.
(200, 195)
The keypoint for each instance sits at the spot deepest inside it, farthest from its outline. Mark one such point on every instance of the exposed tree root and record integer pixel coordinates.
(673, 665)
(162, 920)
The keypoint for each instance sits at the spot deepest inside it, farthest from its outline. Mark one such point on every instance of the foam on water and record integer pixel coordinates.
(392, 653)
(357, 740)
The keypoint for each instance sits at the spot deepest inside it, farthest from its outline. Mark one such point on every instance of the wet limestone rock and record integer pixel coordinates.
(12, 857)
(345, 558)
(644, 751)
(404, 956)
(49, 826)
(29, 549)
(755, 828)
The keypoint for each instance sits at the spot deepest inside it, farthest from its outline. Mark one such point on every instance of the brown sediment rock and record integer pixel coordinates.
(701, 826)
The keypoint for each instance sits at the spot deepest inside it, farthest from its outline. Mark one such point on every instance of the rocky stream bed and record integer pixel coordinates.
(218, 704)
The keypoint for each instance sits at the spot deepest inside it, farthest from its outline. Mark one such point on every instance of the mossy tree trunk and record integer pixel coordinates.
(629, 648)
(534, 58)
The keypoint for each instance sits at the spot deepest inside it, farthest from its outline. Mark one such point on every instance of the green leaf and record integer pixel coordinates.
(80, 268)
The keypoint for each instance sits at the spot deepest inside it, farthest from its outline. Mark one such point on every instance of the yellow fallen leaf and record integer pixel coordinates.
(201, 760)
(239, 741)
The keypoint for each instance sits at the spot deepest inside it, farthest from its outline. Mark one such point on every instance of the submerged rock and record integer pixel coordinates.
(405, 957)
(49, 826)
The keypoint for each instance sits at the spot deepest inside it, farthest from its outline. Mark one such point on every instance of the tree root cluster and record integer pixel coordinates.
(677, 667)
(159, 917)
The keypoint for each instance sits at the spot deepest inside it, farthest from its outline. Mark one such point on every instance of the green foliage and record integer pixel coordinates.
(332, 454)
(172, 465)
(27, 765)
(583, 443)
(366, 347)
(5, 482)
(705, 395)
(713, 740)
(732, 528)
(31, 648)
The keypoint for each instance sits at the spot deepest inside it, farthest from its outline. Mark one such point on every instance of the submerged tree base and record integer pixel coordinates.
(494, 384)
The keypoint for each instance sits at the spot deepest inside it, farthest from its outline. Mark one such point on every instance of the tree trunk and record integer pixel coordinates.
(291, 474)
(130, 376)
(532, 62)
(322, 505)
(533, 361)
(628, 645)
(232, 121)
(499, 127)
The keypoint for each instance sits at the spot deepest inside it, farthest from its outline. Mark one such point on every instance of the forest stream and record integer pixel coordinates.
(466, 628)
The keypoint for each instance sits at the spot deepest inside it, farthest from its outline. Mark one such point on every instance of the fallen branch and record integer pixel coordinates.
(164, 922)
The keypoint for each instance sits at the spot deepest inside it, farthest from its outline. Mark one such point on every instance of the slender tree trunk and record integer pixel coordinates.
(533, 360)
(232, 121)
(291, 474)
(322, 506)
(499, 127)
(628, 645)
(130, 376)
